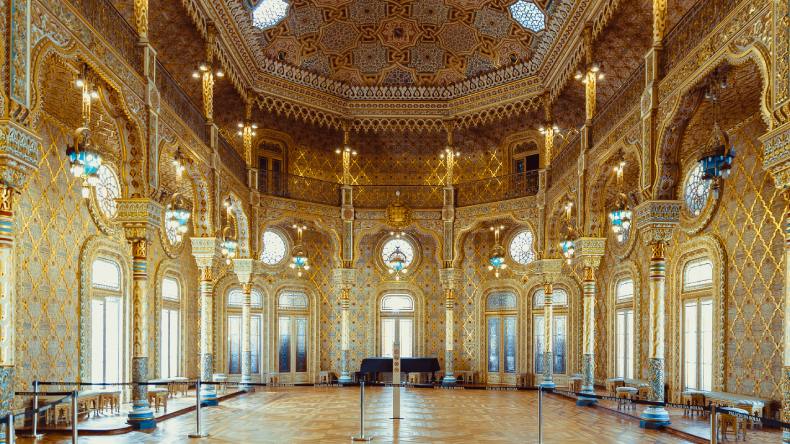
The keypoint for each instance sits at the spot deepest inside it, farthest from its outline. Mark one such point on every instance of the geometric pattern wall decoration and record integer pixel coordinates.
(424, 42)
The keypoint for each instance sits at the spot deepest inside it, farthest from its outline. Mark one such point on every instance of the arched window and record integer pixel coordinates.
(697, 319)
(397, 308)
(501, 338)
(170, 329)
(559, 330)
(522, 247)
(107, 190)
(293, 334)
(106, 321)
(624, 328)
(234, 306)
(696, 191)
(274, 248)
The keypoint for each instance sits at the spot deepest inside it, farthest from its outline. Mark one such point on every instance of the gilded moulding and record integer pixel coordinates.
(657, 219)
(20, 152)
(776, 155)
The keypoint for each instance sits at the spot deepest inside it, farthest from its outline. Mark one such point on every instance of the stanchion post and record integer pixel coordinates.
(540, 415)
(361, 436)
(714, 426)
(198, 429)
(34, 430)
(74, 434)
(9, 429)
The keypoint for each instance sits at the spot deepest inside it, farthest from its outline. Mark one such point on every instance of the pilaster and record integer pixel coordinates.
(548, 271)
(244, 269)
(449, 278)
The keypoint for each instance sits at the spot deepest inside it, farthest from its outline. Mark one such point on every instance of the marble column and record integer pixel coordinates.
(140, 218)
(656, 221)
(206, 253)
(449, 281)
(7, 298)
(244, 269)
(343, 279)
(589, 250)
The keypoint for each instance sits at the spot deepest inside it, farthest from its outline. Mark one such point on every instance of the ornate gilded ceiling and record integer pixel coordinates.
(378, 42)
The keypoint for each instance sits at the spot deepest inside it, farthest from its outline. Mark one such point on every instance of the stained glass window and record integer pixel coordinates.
(528, 15)
(400, 243)
(696, 191)
(501, 300)
(624, 290)
(292, 300)
(522, 247)
(107, 190)
(273, 248)
(269, 13)
(171, 230)
(236, 298)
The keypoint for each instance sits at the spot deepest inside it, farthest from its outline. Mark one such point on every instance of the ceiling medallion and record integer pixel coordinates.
(398, 215)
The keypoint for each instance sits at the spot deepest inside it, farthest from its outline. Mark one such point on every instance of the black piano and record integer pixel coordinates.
(407, 365)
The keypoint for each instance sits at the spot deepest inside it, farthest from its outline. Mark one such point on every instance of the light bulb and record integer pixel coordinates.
(86, 192)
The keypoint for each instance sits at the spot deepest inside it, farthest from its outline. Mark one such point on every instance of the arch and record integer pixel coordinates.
(518, 224)
(400, 287)
(690, 96)
(627, 269)
(298, 285)
(711, 247)
(481, 295)
(169, 268)
(94, 247)
(242, 225)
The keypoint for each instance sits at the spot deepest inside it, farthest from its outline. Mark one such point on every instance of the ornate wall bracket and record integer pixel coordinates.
(450, 278)
(776, 155)
(344, 278)
(205, 250)
(548, 270)
(656, 219)
(590, 250)
(20, 152)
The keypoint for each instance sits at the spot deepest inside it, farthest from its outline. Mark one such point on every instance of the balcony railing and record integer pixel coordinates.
(182, 105)
(619, 105)
(232, 159)
(698, 22)
(497, 188)
(110, 24)
(412, 196)
(299, 187)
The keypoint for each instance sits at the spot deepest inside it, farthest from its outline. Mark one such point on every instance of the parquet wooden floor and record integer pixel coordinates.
(331, 415)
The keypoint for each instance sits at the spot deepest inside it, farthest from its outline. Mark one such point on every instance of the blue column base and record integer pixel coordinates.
(586, 402)
(449, 380)
(208, 398)
(141, 417)
(654, 418)
(785, 436)
(547, 385)
(345, 379)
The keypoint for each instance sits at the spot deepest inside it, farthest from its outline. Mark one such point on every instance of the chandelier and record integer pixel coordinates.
(177, 216)
(717, 155)
(396, 260)
(179, 163)
(620, 216)
(299, 260)
(84, 161)
(496, 262)
(204, 68)
(568, 242)
(229, 245)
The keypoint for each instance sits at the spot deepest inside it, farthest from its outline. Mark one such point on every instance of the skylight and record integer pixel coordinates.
(269, 13)
(528, 15)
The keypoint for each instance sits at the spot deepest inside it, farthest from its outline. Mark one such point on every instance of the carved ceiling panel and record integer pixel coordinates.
(380, 42)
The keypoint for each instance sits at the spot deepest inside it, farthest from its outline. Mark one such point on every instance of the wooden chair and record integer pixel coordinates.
(752, 410)
(157, 397)
(732, 422)
(624, 397)
(324, 377)
(697, 400)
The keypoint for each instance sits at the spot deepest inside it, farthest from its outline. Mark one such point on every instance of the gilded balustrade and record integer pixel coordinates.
(232, 159)
(618, 106)
(497, 188)
(412, 196)
(182, 105)
(110, 24)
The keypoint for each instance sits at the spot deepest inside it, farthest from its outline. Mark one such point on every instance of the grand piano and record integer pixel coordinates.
(407, 365)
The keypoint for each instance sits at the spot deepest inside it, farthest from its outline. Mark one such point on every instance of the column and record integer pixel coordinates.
(548, 347)
(656, 220)
(589, 250)
(140, 218)
(650, 97)
(141, 19)
(343, 279)
(206, 253)
(548, 270)
(7, 297)
(243, 269)
(449, 281)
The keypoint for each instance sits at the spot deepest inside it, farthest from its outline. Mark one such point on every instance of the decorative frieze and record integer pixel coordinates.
(657, 219)
(776, 155)
(20, 151)
(140, 217)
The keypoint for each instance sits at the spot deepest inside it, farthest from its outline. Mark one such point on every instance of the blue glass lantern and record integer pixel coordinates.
(396, 262)
(177, 216)
(621, 222)
(496, 262)
(84, 161)
(299, 260)
(568, 249)
(717, 156)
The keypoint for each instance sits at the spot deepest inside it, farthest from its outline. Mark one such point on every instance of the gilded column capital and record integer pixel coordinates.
(20, 152)
(656, 220)
(449, 278)
(139, 217)
(590, 250)
(548, 270)
(344, 278)
(205, 250)
(243, 269)
(776, 155)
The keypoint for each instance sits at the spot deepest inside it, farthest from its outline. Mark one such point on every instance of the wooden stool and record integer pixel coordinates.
(624, 396)
(157, 397)
(323, 377)
(734, 422)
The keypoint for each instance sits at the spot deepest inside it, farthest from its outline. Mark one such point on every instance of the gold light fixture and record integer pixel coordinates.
(230, 244)
(84, 160)
(204, 68)
(299, 260)
(568, 242)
